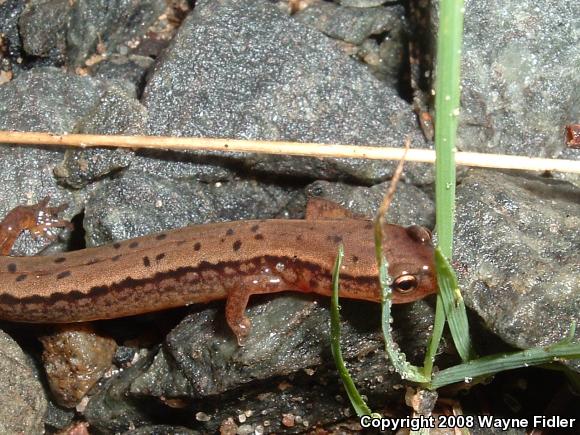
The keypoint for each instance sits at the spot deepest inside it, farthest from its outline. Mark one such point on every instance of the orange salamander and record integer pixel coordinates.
(202, 263)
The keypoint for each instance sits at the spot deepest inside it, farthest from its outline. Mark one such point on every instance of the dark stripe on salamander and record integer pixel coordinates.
(116, 290)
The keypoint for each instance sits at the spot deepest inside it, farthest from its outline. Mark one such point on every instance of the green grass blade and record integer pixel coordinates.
(454, 307)
(435, 338)
(496, 363)
(356, 400)
(405, 369)
(447, 91)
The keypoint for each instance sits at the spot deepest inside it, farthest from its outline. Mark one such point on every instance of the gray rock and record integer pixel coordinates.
(352, 25)
(243, 69)
(361, 3)
(520, 81)
(110, 411)
(111, 22)
(58, 418)
(71, 31)
(128, 71)
(138, 203)
(22, 402)
(116, 113)
(517, 244)
(289, 333)
(200, 360)
(10, 11)
(161, 430)
(44, 99)
(47, 99)
(410, 204)
(43, 27)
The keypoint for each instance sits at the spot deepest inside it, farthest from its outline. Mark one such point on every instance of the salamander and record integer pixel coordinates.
(203, 263)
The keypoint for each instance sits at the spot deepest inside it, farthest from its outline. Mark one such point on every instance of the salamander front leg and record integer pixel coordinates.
(239, 296)
(38, 219)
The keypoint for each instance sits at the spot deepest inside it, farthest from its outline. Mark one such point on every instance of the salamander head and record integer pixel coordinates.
(411, 262)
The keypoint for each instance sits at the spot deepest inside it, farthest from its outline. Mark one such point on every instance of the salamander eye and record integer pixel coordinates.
(405, 283)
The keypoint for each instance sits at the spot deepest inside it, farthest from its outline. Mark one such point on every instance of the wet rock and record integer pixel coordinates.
(75, 357)
(137, 204)
(57, 417)
(115, 113)
(73, 31)
(161, 430)
(352, 25)
(112, 24)
(47, 99)
(201, 357)
(109, 410)
(44, 99)
(43, 28)
(10, 44)
(22, 402)
(516, 248)
(269, 77)
(200, 372)
(361, 3)
(127, 71)
(519, 81)
(375, 36)
(410, 204)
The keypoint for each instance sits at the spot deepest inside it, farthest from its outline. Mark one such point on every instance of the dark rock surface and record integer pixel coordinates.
(23, 401)
(244, 69)
(519, 77)
(517, 245)
(273, 78)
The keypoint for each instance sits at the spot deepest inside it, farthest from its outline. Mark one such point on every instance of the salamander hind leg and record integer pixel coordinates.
(37, 218)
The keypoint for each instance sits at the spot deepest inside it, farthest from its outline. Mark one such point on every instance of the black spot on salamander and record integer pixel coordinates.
(222, 240)
(60, 260)
(354, 259)
(259, 237)
(230, 232)
(299, 238)
(160, 236)
(21, 277)
(146, 262)
(64, 274)
(116, 245)
(197, 246)
(237, 245)
(11, 267)
(335, 238)
(159, 257)
(254, 228)
(116, 257)
(133, 245)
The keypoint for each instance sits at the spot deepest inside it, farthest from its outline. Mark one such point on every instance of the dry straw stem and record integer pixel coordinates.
(501, 161)
(390, 194)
